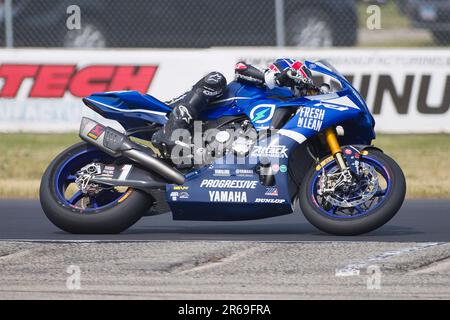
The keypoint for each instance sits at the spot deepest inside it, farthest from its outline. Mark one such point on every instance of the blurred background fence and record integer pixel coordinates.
(40, 89)
(211, 23)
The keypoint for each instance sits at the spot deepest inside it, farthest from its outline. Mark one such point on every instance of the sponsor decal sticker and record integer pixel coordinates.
(228, 184)
(125, 171)
(96, 131)
(244, 172)
(227, 196)
(214, 77)
(183, 195)
(212, 93)
(339, 104)
(108, 171)
(222, 173)
(324, 162)
(272, 192)
(263, 200)
(310, 118)
(262, 113)
(271, 151)
(275, 167)
(125, 196)
(181, 188)
(283, 168)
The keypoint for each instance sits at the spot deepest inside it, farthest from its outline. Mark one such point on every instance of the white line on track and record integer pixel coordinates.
(354, 268)
(420, 245)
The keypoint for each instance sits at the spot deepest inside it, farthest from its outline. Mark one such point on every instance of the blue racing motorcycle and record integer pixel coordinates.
(261, 153)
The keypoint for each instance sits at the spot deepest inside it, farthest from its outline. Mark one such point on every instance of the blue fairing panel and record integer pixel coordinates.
(317, 115)
(239, 97)
(205, 196)
(128, 107)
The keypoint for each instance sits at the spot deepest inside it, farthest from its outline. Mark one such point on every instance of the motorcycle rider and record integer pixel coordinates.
(187, 107)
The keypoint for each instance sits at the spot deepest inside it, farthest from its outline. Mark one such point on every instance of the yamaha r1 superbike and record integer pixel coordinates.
(311, 151)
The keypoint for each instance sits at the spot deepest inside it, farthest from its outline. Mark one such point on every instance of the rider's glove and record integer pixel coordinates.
(282, 79)
(273, 79)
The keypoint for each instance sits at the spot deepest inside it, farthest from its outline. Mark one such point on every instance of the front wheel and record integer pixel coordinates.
(101, 210)
(368, 202)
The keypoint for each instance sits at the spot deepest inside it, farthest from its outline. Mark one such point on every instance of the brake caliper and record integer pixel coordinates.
(84, 176)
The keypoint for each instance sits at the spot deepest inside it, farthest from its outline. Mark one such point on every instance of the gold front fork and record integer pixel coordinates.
(335, 148)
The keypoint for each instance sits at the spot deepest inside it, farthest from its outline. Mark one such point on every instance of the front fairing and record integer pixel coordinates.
(365, 120)
(344, 107)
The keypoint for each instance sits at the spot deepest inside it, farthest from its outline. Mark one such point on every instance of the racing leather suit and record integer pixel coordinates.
(188, 106)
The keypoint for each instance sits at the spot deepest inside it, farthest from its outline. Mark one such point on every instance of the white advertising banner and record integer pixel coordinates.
(407, 90)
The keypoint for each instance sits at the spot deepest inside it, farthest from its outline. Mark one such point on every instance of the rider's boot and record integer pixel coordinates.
(179, 118)
(188, 109)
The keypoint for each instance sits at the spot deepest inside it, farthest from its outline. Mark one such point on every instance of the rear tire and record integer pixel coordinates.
(358, 225)
(109, 220)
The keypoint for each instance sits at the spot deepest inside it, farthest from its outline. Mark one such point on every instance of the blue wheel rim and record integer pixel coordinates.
(381, 194)
(66, 176)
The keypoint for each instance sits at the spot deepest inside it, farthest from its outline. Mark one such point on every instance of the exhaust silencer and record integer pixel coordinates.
(117, 144)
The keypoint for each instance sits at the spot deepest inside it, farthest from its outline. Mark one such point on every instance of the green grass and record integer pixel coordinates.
(420, 43)
(23, 159)
(423, 158)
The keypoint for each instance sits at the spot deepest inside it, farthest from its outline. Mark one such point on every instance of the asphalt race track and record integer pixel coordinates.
(277, 258)
(417, 221)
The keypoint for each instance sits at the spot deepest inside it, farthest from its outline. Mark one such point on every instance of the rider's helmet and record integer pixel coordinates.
(296, 71)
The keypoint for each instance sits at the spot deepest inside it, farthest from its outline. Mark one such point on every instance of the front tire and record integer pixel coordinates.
(362, 223)
(109, 218)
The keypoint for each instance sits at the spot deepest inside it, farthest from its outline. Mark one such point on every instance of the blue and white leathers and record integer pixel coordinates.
(222, 191)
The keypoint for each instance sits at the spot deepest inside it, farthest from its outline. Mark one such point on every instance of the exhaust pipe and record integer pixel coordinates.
(117, 144)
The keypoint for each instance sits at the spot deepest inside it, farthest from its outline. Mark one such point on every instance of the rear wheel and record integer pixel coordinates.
(371, 200)
(101, 210)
